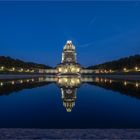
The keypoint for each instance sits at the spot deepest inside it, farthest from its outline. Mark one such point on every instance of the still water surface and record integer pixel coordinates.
(69, 102)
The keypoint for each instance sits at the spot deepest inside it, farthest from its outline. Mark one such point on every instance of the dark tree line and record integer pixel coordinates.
(9, 62)
(127, 62)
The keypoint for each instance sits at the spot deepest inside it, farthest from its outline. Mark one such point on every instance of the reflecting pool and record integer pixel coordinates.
(69, 102)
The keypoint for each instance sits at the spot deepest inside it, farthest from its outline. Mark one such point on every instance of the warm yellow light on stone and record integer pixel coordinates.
(101, 80)
(125, 69)
(65, 79)
(59, 69)
(65, 70)
(125, 83)
(2, 67)
(73, 81)
(1, 84)
(78, 69)
(136, 68)
(137, 85)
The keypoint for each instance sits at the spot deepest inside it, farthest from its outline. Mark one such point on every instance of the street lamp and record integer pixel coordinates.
(125, 69)
(136, 68)
(2, 68)
(1, 84)
(137, 85)
(125, 83)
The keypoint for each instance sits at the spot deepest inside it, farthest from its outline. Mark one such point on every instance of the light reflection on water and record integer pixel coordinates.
(69, 86)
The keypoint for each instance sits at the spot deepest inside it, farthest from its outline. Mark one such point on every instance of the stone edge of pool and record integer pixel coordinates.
(3, 77)
(19, 133)
(126, 77)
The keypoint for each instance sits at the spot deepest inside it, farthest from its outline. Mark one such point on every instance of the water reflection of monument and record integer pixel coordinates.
(69, 87)
(68, 76)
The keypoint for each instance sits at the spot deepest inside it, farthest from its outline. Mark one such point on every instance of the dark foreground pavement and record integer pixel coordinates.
(29, 134)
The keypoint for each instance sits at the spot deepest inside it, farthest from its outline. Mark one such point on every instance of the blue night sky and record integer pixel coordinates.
(101, 31)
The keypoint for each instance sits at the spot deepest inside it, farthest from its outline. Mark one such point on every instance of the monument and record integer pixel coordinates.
(69, 63)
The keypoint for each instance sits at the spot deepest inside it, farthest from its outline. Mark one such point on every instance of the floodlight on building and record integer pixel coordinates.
(125, 83)
(1, 84)
(2, 67)
(136, 68)
(125, 69)
(137, 85)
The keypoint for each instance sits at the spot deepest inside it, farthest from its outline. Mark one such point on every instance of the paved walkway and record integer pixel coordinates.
(4, 76)
(122, 77)
(100, 134)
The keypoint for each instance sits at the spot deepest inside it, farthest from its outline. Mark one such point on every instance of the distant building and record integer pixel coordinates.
(69, 63)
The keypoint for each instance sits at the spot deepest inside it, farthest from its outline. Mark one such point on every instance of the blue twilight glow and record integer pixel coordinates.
(101, 31)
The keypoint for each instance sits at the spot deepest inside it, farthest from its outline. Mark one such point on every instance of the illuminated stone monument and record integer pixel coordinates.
(68, 63)
(69, 53)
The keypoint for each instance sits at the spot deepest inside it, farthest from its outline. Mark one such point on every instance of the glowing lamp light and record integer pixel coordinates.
(125, 69)
(65, 70)
(1, 84)
(125, 83)
(97, 79)
(72, 81)
(2, 67)
(78, 69)
(59, 69)
(101, 80)
(69, 42)
(78, 81)
(137, 85)
(32, 71)
(136, 68)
